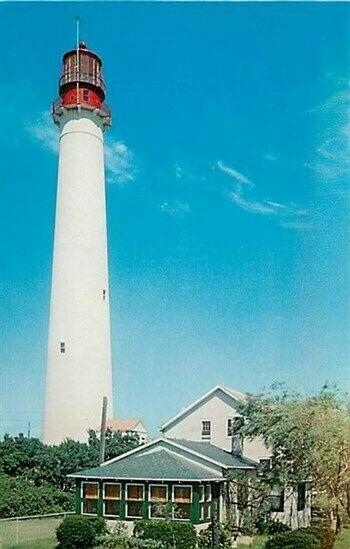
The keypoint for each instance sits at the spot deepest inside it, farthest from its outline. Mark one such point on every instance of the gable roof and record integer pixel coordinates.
(157, 465)
(165, 461)
(218, 454)
(127, 424)
(232, 393)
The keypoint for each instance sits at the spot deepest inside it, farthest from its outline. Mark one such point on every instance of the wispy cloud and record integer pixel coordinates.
(271, 157)
(175, 209)
(235, 174)
(287, 215)
(120, 164)
(178, 171)
(120, 161)
(330, 159)
(44, 131)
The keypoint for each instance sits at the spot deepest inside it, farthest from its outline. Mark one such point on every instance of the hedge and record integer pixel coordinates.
(182, 534)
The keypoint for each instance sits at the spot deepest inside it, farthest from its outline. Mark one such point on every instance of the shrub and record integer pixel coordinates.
(296, 539)
(185, 535)
(137, 543)
(179, 534)
(18, 498)
(321, 529)
(99, 525)
(118, 537)
(76, 531)
(205, 538)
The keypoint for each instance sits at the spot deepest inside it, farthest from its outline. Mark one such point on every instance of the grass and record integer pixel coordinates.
(257, 543)
(45, 543)
(343, 540)
(30, 534)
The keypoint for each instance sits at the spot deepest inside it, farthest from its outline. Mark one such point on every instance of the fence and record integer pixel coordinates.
(14, 531)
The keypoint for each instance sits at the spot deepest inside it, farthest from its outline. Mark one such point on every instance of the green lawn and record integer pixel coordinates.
(258, 543)
(343, 540)
(31, 533)
(45, 543)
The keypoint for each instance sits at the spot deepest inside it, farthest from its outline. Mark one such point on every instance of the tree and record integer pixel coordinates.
(309, 438)
(19, 498)
(41, 470)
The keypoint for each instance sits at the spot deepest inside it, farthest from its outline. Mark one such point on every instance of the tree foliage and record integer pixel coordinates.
(309, 439)
(41, 470)
(19, 498)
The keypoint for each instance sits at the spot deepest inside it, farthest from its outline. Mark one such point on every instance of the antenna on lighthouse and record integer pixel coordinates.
(77, 19)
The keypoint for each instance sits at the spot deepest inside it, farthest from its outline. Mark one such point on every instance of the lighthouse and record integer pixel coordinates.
(79, 372)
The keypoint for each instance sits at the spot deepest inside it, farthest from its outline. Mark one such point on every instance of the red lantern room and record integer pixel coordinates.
(81, 82)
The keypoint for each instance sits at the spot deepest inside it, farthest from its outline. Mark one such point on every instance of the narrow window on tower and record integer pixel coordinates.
(62, 347)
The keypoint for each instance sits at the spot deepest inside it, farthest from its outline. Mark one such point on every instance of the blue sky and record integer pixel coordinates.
(227, 168)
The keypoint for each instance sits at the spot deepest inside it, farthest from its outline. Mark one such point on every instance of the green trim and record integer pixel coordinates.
(78, 498)
(196, 505)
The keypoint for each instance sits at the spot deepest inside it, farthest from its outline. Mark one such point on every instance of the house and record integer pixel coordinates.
(165, 477)
(197, 467)
(212, 418)
(129, 426)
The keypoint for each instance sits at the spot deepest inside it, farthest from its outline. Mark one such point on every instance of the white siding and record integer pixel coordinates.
(217, 409)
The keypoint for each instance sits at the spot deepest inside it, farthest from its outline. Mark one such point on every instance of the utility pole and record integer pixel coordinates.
(28, 432)
(103, 430)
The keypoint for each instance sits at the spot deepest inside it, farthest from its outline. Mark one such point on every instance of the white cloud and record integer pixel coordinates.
(119, 159)
(271, 157)
(175, 209)
(120, 163)
(45, 132)
(287, 215)
(178, 171)
(330, 158)
(235, 174)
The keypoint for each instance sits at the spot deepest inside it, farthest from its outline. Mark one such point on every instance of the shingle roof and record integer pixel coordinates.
(127, 424)
(157, 465)
(217, 454)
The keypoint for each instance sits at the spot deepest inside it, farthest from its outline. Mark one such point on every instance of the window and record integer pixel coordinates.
(134, 504)
(276, 500)
(230, 427)
(206, 430)
(265, 464)
(205, 498)
(85, 95)
(62, 347)
(182, 498)
(301, 496)
(233, 424)
(111, 496)
(89, 493)
(207, 492)
(158, 497)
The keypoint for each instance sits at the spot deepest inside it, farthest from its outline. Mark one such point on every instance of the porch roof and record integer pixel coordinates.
(157, 465)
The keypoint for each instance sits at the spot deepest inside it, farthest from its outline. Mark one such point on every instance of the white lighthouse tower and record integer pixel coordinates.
(79, 372)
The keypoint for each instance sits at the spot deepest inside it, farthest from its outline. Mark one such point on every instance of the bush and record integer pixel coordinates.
(297, 539)
(118, 537)
(19, 498)
(265, 525)
(321, 529)
(181, 534)
(99, 525)
(76, 531)
(205, 538)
